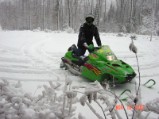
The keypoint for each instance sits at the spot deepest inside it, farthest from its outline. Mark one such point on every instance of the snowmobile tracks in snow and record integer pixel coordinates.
(27, 62)
(39, 57)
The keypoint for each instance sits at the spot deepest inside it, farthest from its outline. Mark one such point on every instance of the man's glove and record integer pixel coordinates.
(91, 48)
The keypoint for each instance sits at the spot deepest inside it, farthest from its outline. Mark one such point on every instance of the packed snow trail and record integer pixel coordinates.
(34, 58)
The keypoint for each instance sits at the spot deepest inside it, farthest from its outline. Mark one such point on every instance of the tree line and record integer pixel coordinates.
(110, 15)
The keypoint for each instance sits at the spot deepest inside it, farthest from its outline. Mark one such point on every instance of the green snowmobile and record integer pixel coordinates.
(101, 65)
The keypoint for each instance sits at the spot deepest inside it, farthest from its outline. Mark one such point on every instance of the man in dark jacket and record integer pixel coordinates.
(86, 33)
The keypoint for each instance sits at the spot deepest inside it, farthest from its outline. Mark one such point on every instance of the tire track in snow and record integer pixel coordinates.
(125, 55)
(9, 50)
(24, 71)
(13, 60)
(13, 63)
(56, 59)
(31, 51)
(150, 64)
(49, 62)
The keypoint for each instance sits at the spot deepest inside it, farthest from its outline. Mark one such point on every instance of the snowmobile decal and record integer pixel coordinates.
(94, 56)
(94, 69)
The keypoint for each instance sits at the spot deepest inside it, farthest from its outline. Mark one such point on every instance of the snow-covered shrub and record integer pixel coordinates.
(16, 104)
(132, 47)
(150, 23)
(57, 102)
(37, 29)
(120, 34)
(71, 94)
(69, 30)
(83, 100)
(80, 116)
(47, 30)
(111, 27)
(153, 106)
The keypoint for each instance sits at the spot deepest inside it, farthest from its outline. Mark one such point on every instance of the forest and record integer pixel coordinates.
(129, 16)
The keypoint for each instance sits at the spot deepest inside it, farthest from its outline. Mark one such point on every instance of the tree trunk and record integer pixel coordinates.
(105, 15)
(69, 14)
(131, 15)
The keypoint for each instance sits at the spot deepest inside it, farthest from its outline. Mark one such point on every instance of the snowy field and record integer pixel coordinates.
(33, 59)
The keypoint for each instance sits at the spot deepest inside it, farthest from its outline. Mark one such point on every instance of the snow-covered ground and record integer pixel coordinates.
(33, 58)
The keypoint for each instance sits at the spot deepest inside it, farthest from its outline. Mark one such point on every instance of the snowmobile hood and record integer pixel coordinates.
(121, 66)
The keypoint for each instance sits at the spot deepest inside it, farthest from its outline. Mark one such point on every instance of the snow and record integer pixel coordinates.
(29, 71)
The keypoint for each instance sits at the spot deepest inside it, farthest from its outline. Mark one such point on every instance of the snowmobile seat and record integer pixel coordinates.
(75, 54)
(74, 50)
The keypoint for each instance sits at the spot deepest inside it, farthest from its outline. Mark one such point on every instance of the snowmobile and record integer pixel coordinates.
(101, 65)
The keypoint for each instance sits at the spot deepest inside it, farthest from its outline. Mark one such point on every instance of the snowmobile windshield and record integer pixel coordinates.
(111, 57)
